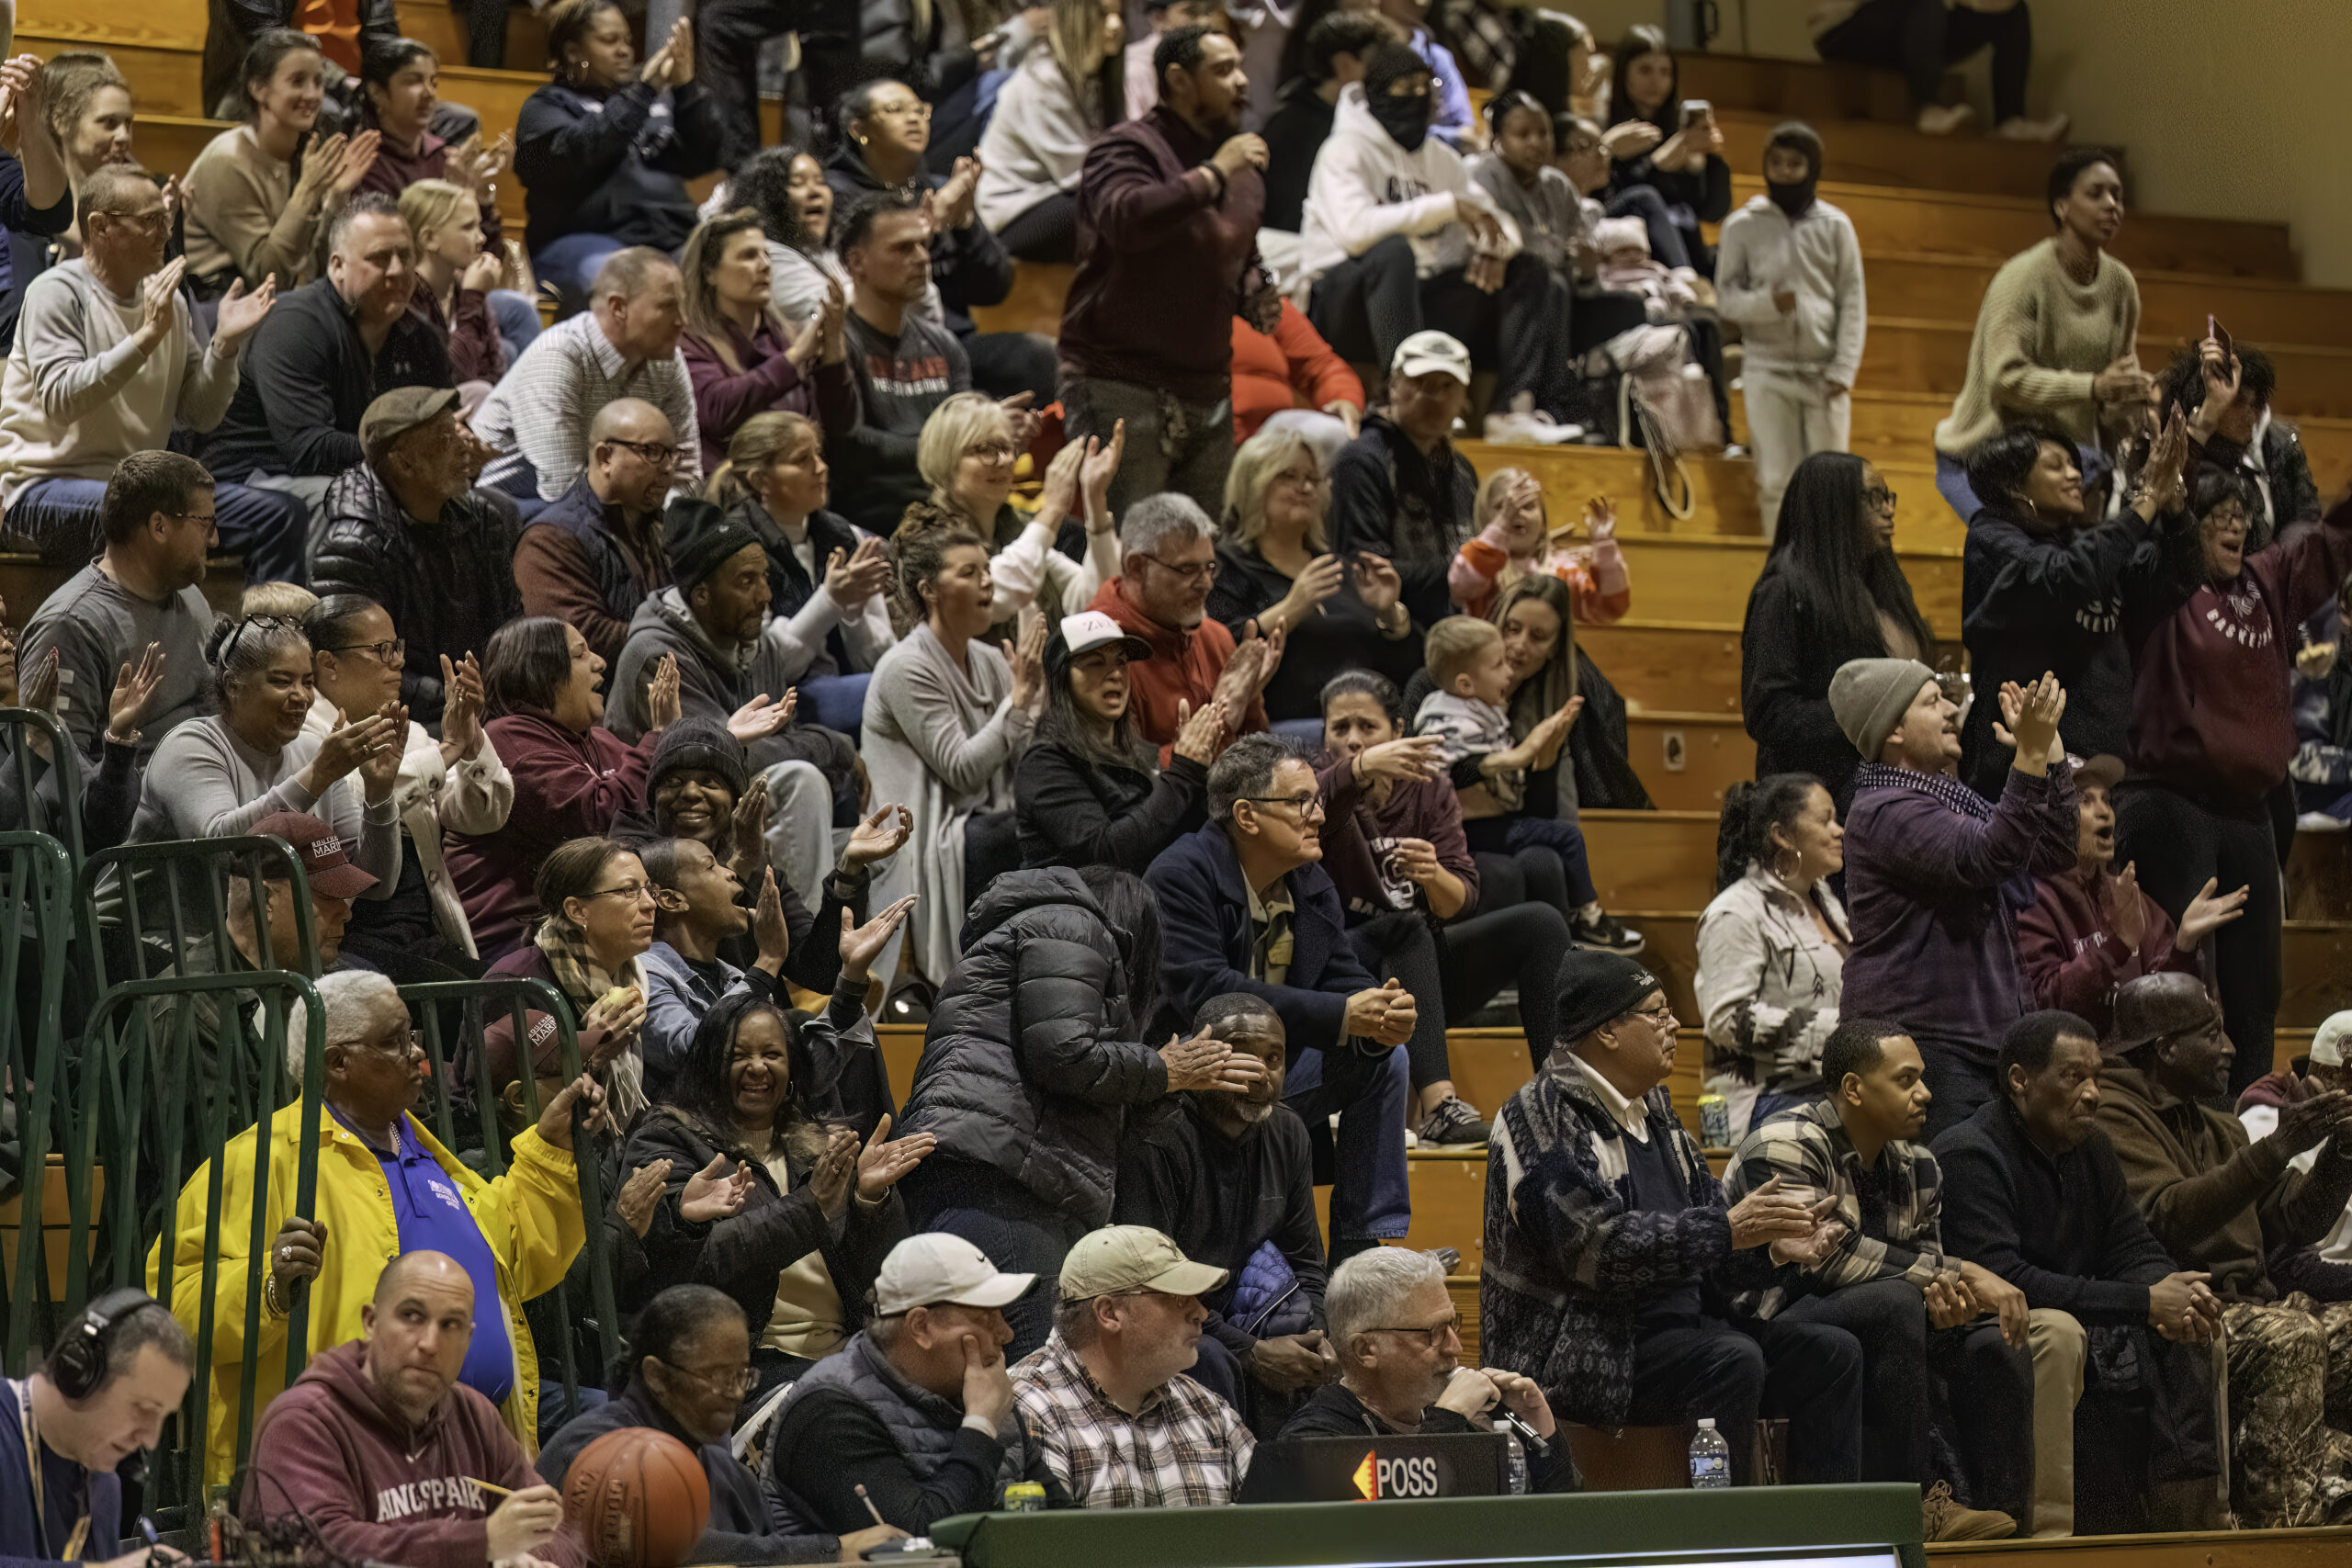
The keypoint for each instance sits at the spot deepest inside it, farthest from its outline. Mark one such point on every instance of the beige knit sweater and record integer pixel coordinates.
(2040, 339)
(244, 219)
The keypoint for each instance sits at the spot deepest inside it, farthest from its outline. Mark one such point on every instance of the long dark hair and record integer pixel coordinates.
(1640, 39)
(527, 664)
(1544, 693)
(1132, 911)
(764, 184)
(1744, 835)
(1064, 725)
(1820, 546)
(703, 1098)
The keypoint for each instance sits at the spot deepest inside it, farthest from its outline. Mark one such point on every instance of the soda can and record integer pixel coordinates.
(1024, 1497)
(1715, 1122)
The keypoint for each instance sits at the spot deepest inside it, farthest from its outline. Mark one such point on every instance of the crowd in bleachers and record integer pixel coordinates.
(687, 609)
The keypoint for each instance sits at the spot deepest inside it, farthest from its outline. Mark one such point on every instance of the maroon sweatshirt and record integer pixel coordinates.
(1360, 841)
(2212, 706)
(376, 1488)
(2071, 956)
(567, 785)
(1167, 252)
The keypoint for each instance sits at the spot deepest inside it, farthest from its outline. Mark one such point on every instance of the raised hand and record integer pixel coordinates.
(715, 1193)
(2125, 911)
(2206, 914)
(885, 1159)
(134, 691)
(834, 1173)
(1058, 495)
(1382, 588)
(759, 718)
(2162, 486)
(853, 576)
(381, 769)
(2030, 716)
(1551, 733)
(1199, 734)
(1321, 579)
(1101, 465)
(1029, 666)
(862, 944)
(956, 193)
(750, 828)
(461, 708)
(879, 837)
(1205, 1062)
(662, 704)
(40, 691)
(770, 932)
(241, 313)
(639, 1194)
(321, 165)
(359, 157)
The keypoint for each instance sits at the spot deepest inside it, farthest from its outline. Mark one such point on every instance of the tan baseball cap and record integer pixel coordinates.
(932, 1268)
(1133, 1258)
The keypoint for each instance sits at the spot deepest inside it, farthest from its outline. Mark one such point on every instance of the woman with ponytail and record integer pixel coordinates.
(1771, 946)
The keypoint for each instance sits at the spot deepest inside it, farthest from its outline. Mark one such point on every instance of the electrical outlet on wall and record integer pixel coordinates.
(1677, 758)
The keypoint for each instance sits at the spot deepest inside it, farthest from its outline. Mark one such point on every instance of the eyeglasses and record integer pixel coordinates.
(992, 451)
(1434, 1336)
(1301, 481)
(1660, 1017)
(266, 623)
(734, 1385)
(1879, 499)
(1199, 571)
(151, 222)
(207, 518)
(394, 651)
(631, 891)
(1306, 806)
(661, 456)
(1581, 146)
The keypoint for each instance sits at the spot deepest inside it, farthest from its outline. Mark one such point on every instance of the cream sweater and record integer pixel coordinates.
(243, 218)
(2040, 340)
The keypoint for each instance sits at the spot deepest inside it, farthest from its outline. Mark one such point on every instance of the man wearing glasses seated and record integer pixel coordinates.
(1244, 907)
(546, 417)
(595, 555)
(1166, 563)
(1611, 1254)
(1398, 1337)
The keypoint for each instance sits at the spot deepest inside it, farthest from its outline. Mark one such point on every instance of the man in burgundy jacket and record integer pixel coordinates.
(2091, 930)
(1167, 211)
(383, 1451)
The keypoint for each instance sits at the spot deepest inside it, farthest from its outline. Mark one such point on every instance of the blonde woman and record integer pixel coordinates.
(1275, 567)
(454, 276)
(86, 105)
(1047, 114)
(738, 354)
(827, 580)
(967, 453)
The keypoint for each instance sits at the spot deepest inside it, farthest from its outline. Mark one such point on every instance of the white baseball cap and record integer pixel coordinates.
(1091, 629)
(932, 1268)
(1425, 352)
(2328, 1045)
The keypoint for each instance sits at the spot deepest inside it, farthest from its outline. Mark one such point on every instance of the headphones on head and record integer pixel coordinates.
(79, 1363)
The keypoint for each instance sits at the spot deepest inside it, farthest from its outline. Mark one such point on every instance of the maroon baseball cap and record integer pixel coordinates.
(330, 870)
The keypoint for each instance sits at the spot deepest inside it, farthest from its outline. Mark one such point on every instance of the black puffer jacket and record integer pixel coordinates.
(743, 1254)
(1031, 1059)
(446, 586)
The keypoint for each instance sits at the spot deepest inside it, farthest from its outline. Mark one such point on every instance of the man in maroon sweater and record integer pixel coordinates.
(1167, 211)
(2091, 930)
(383, 1451)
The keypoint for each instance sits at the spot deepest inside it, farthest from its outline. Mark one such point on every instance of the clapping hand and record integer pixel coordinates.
(1198, 734)
(878, 837)
(134, 691)
(639, 1194)
(853, 577)
(1029, 662)
(715, 1194)
(770, 932)
(461, 708)
(885, 1159)
(159, 301)
(2162, 486)
(359, 157)
(381, 768)
(2030, 716)
(834, 1173)
(662, 704)
(1057, 497)
(1382, 588)
(956, 193)
(860, 945)
(2125, 912)
(240, 312)
(759, 718)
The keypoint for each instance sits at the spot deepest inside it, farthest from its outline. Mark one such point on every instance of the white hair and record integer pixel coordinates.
(357, 1001)
(1157, 519)
(1369, 1289)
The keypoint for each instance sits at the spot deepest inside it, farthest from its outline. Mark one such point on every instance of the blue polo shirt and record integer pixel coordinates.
(432, 1217)
(39, 1531)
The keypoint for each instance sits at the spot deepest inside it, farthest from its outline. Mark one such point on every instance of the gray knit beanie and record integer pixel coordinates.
(1868, 695)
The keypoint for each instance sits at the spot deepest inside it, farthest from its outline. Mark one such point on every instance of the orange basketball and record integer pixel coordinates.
(639, 1499)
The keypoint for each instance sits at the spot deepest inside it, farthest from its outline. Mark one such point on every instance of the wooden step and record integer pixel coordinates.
(2173, 306)
(1862, 151)
(1687, 760)
(1680, 579)
(1898, 428)
(1652, 860)
(1803, 89)
(1910, 355)
(1687, 666)
(442, 28)
(1888, 218)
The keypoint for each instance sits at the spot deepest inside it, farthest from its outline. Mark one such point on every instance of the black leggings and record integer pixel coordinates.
(1046, 232)
(1368, 304)
(2177, 844)
(1920, 38)
(1466, 964)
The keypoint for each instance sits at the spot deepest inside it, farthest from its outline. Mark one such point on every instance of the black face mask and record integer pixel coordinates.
(1406, 119)
(1792, 199)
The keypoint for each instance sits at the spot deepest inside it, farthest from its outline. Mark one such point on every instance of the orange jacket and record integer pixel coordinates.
(1291, 369)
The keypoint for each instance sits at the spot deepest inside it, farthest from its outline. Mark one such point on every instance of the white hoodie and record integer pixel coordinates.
(1819, 260)
(1365, 188)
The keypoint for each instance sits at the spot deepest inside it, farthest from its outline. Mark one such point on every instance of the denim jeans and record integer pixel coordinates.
(266, 527)
(1370, 1198)
(518, 322)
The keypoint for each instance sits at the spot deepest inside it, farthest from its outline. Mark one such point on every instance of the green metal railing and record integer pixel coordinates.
(36, 879)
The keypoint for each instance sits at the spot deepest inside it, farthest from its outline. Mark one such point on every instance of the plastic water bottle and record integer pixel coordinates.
(1710, 1458)
(1515, 1454)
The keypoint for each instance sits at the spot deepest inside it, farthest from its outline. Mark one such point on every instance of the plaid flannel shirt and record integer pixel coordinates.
(1809, 1150)
(1185, 1448)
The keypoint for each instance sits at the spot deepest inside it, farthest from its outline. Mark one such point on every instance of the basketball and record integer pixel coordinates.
(639, 1499)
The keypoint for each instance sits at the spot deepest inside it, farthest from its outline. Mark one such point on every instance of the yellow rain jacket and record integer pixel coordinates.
(530, 1217)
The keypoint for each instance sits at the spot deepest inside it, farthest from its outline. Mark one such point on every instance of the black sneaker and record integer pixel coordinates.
(1451, 1124)
(1604, 934)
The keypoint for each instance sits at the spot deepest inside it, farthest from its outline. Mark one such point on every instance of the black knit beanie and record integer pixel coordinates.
(1596, 988)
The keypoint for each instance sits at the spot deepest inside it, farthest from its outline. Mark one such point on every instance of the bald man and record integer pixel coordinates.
(382, 1450)
(624, 346)
(593, 556)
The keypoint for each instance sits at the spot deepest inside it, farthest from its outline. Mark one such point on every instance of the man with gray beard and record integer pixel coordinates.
(1227, 1175)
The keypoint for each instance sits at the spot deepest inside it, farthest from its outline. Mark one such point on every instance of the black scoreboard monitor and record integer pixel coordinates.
(1372, 1524)
(1368, 1469)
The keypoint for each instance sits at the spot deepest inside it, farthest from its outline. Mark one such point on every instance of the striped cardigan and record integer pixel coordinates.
(1570, 1263)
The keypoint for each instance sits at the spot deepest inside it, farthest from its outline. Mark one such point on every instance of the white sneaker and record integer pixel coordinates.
(2319, 823)
(2023, 130)
(1512, 429)
(1942, 119)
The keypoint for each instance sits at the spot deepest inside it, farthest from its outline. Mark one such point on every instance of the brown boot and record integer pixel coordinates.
(1942, 1517)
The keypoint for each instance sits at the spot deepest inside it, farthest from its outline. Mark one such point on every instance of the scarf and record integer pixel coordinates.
(582, 981)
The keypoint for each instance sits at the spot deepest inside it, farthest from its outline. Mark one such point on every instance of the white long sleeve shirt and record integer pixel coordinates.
(1819, 260)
